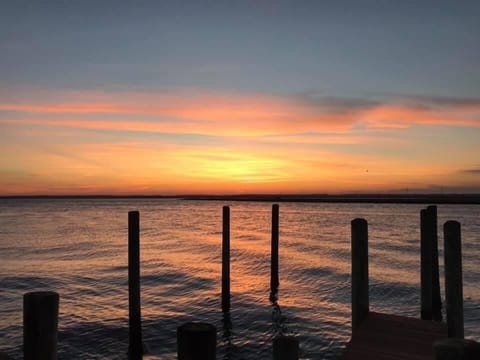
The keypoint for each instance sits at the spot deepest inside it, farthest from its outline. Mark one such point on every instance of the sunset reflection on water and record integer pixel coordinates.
(79, 248)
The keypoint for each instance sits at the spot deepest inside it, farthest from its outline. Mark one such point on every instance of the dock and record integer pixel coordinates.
(391, 337)
(394, 337)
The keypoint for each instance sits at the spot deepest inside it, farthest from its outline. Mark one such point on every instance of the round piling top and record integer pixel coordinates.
(359, 222)
(285, 348)
(452, 224)
(41, 295)
(197, 327)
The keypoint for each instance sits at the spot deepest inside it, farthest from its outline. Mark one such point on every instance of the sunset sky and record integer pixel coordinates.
(177, 97)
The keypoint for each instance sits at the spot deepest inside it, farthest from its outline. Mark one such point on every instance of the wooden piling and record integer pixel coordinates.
(359, 244)
(196, 341)
(453, 279)
(456, 349)
(226, 259)
(40, 325)
(432, 230)
(135, 348)
(426, 268)
(285, 348)
(274, 278)
(4, 356)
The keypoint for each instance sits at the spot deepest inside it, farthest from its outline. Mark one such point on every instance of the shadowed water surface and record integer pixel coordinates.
(79, 248)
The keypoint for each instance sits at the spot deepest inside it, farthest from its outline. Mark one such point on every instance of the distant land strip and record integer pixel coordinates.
(308, 198)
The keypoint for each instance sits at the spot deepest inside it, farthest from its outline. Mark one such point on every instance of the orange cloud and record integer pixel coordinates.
(230, 114)
(403, 116)
(206, 114)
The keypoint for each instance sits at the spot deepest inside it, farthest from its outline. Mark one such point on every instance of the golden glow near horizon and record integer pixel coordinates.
(199, 141)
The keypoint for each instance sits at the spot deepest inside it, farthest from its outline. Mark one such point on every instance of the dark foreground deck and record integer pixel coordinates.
(392, 337)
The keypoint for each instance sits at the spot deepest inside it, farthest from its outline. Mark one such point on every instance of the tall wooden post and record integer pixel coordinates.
(426, 268)
(226, 259)
(274, 278)
(40, 325)
(360, 299)
(135, 348)
(196, 341)
(432, 224)
(453, 279)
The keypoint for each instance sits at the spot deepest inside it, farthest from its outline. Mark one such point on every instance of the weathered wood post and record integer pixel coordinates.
(274, 279)
(4, 356)
(360, 300)
(226, 259)
(196, 340)
(40, 325)
(285, 348)
(456, 349)
(426, 268)
(453, 278)
(135, 348)
(432, 231)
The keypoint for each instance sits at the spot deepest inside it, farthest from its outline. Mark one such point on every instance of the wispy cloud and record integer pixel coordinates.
(444, 101)
(471, 171)
(242, 114)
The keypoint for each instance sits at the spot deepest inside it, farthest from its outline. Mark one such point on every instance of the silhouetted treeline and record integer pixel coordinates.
(342, 198)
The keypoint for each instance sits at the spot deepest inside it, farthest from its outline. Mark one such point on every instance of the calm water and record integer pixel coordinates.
(79, 248)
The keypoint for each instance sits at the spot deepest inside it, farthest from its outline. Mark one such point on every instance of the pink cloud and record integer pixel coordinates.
(241, 114)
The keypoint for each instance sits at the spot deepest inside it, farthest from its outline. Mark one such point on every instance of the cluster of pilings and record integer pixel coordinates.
(198, 340)
(195, 340)
(431, 305)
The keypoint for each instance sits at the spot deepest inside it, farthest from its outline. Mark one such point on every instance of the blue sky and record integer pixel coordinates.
(339, 48)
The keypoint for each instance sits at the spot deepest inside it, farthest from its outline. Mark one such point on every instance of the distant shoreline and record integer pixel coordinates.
(461, 199)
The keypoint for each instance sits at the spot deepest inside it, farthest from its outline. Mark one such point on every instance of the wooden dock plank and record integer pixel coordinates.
(392, 337)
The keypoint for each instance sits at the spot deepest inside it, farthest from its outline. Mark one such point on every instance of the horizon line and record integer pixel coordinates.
(400, 198)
